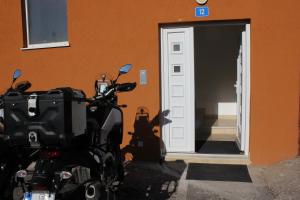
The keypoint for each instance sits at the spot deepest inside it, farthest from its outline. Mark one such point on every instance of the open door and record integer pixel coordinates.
(242, 90)
(178, 88)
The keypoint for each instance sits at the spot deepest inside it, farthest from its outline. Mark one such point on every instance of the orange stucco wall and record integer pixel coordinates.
(106, 34)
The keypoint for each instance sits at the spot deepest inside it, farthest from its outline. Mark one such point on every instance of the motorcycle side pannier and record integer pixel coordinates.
(44, 119)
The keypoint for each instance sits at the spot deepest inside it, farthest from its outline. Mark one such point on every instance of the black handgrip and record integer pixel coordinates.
(23, 86)
(123, 106)
(55, 91)
(124, 87)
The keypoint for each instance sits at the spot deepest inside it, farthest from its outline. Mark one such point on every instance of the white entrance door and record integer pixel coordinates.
(177, 73)
(242, 90)
(239, 89)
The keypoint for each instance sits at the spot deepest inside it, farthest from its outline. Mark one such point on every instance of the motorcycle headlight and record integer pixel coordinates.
(102, 87)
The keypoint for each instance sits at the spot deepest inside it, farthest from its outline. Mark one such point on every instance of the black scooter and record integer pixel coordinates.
(59, 145)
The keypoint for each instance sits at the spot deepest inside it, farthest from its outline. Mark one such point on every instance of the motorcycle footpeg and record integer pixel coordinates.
(116, 183)
(115, 186)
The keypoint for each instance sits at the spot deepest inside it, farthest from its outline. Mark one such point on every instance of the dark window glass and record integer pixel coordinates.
(177, 69)
(176, 47)
(47, 21)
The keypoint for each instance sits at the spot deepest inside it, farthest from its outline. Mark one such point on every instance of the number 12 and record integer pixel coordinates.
(202, 11)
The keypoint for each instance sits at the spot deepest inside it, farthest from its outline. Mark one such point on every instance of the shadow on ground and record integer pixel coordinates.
(143, 181)
(145, 178)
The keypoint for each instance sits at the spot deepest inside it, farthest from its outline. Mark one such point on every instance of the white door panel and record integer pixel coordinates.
(242, 89)
(239, 96)
(177, 89)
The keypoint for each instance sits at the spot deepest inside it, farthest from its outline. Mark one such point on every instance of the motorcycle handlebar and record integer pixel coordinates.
(124, 87)
(22, 86)
(18, 89)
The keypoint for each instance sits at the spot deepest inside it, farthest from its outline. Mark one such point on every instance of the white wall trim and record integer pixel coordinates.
(163, 107)
(192, 89)
(248, 89)
(27, 22)
(47, 45)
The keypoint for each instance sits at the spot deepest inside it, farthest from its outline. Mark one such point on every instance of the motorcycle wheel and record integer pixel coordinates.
(119, 163)
(114, 174)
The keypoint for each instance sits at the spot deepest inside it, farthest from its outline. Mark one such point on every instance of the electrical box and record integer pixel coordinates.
(143, 77)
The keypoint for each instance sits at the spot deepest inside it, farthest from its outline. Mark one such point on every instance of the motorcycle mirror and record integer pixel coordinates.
(16, 74)
(125, 69)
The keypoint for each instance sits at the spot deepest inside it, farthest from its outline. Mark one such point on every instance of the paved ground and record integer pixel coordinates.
(168, 181)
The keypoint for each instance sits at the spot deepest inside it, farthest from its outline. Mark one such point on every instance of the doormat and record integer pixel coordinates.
(218, 172)
(217, 147)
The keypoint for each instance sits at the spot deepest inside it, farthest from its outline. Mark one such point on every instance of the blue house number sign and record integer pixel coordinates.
(202, 11)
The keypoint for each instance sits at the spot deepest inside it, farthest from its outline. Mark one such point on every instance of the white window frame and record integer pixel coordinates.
(42, 45)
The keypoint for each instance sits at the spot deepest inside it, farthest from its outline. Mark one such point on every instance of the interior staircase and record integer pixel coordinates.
(222, 128)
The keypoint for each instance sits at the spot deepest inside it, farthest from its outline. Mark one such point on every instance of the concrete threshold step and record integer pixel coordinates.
(208, 158)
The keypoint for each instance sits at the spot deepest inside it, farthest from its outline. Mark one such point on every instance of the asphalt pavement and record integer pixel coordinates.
(178, 180)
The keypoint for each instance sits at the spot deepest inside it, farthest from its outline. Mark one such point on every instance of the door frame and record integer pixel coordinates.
(246, 90)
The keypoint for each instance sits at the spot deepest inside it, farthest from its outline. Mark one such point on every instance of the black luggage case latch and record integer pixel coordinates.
(32, 105)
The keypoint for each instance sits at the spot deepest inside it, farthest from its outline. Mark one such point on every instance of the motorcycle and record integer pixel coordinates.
(60, 145)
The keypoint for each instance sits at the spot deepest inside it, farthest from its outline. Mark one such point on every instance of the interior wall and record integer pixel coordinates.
(216, 52)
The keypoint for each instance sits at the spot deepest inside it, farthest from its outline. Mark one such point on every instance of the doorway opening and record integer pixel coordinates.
(217, 56)
(205, 85)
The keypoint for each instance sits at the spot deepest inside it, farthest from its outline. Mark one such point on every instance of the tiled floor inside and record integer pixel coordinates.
(217, 136)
